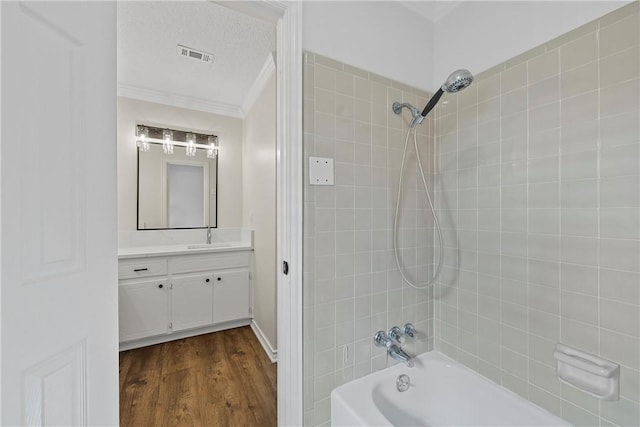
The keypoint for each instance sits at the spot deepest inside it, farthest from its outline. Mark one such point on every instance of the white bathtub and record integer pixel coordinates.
(442, 393)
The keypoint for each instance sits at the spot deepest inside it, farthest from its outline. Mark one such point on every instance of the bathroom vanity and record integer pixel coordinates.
(175, 290)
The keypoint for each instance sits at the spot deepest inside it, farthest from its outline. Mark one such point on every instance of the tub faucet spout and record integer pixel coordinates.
(393, 347)
(397, 353)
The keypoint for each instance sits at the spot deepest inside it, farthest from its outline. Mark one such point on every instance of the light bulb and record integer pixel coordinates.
(212, 151)
(142, 142)
(167, 144)
(191, 147)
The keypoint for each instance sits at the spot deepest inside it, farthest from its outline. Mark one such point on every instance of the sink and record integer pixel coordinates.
(209, 246)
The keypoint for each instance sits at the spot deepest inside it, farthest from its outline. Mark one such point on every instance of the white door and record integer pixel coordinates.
(58, 214)
(191, 301)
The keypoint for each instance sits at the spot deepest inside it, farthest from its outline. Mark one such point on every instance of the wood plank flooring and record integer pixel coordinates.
(218, 379)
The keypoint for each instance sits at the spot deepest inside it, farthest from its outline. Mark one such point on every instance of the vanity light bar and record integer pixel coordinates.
(178, 143)
(172, 137)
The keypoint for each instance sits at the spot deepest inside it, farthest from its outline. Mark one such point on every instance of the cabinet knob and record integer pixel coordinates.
(219, 279)
(207, 280)
(161, 286)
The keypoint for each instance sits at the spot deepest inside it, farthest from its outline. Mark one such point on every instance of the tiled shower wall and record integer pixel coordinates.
(351, 284)
(538, 195)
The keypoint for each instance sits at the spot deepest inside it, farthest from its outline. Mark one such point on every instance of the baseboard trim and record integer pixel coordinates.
(158, 339)
(271, 353)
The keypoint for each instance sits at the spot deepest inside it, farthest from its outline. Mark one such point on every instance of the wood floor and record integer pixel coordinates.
(218, 379)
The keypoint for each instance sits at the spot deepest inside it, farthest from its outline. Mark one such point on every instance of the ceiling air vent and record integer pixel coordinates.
(198, 55)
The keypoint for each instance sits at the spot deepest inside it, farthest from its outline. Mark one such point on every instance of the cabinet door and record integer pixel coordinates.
(191, 301)
(230, 296)
(143, 308)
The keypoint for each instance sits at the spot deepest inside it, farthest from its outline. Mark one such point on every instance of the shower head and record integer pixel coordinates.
(458, 80)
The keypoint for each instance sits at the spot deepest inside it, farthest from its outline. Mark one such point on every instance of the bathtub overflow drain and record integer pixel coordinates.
(403, 383)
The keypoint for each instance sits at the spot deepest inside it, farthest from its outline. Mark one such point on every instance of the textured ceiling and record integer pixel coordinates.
(149, 31)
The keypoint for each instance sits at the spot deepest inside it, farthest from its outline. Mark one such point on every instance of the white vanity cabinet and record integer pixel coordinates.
(172, 297)
(143, 298)
(230, 291)
(143, 308)
(191, 301)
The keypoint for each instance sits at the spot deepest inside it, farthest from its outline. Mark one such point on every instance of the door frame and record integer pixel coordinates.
(289, 205)
(288, 19)
(289, 211)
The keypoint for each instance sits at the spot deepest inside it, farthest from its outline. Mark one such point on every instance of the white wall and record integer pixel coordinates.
(480, 34)
(229, 131)
(259, 204)
(381, 37)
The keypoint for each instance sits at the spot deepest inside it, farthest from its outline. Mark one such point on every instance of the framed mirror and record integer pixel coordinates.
(177, 179)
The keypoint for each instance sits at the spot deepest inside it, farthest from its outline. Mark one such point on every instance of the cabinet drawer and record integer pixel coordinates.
(142, 267)
(204, 262)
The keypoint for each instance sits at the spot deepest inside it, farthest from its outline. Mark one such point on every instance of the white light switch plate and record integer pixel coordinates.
(320, 171)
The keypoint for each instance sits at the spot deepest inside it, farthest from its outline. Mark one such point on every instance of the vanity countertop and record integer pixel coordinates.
(181, 249)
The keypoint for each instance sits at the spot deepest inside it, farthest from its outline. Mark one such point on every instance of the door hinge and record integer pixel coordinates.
(170, 325)
(170, 285)
(285, 267)
(250, 310)
(250, 276)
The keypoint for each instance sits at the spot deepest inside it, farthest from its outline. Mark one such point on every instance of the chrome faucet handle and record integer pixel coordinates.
(409, 330)
(380, 339)
(395, 333)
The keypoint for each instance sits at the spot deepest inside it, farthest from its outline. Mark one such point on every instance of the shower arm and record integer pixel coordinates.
(415, 113)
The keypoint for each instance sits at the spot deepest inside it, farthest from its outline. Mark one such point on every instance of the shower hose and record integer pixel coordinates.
(395, 217)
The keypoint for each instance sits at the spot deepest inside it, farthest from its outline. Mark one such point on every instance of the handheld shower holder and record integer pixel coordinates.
(415, 113)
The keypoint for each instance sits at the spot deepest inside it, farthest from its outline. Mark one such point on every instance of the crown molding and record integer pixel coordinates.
(267, 71)
(181, 101)
(265, 10)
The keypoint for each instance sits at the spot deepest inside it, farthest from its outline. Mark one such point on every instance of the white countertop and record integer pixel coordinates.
(181, 249)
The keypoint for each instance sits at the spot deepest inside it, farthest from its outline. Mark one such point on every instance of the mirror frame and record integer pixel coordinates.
(174, 228)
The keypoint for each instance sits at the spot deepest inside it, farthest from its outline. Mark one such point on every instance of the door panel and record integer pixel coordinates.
(144, 309)
(230, 295)
(58, 218)
(191, 301)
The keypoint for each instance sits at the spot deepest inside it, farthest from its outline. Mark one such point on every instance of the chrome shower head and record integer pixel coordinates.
(458, 80)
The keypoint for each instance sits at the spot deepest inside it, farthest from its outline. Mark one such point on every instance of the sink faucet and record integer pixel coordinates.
(208, 234)
(394, 349)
